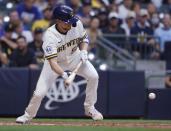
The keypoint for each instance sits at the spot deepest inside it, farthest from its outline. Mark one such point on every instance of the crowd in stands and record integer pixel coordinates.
(22, 36)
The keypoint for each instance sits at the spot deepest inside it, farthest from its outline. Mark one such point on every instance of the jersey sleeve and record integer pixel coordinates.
(49, 45)
(83, 33)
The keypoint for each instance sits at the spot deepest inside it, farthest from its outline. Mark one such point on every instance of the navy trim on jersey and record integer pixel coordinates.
(51, 56)
(84, 39)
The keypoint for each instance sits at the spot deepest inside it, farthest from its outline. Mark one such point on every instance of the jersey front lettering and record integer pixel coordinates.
(72, 42)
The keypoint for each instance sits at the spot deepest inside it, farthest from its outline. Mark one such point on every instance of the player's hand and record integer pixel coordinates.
(65, 75)
(83, 55)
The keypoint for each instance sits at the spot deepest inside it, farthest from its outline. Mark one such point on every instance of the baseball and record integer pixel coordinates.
(152, 96)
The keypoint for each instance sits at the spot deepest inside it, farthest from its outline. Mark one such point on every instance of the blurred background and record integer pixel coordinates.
(130, 46)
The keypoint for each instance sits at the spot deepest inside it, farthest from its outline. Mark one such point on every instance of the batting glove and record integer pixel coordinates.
(65, 75)
(83, 55)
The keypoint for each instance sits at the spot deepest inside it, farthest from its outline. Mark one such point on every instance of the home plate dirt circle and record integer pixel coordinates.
(97, 124)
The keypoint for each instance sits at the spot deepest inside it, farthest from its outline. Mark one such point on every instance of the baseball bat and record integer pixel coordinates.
(72, 76)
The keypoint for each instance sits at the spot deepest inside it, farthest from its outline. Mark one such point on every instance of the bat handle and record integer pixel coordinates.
(72, 76)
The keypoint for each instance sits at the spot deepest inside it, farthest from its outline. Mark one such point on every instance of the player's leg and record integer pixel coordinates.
(88, 71)
(46, 78)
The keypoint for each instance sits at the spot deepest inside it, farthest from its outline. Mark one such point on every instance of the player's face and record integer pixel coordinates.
(63, 27)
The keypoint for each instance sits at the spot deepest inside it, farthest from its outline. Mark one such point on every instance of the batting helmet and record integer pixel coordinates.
(65, 14)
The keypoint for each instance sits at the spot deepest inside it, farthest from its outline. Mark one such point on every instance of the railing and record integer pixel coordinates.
(136, 44)
(118, 51)
(112, 53)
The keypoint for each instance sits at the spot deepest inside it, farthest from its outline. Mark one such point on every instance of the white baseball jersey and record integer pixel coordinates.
(64, 46)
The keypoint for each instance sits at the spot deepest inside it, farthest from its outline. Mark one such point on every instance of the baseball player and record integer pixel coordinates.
(64, 46)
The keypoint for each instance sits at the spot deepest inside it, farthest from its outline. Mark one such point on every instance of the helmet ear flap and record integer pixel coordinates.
(74, 24)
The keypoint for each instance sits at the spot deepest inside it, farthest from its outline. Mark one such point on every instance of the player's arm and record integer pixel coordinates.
(83, 52)
(55, 67)
(84, 46)
(84, 42)
(51, 55)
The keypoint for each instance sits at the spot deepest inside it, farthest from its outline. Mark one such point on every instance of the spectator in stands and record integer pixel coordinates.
(1, 23)
(1, 17)
(75, 5)
(40, 4)
(102, 15)
(164, 33)
(85, 15)
(155, 24)
(136, 7)
(113, 27)
(169, 3)
(45, 22)
(113, 8)
(96, 4)
(151, 9)
(129, 22)
(124, 8)
(28, 12)
(93, 32)
(8, 44)
(18, 30)
(155, 21)
(53, 3)
(157, 3)
(23, 56)
(36, 45)
(13, 15)
(168, 81)
(143, 44)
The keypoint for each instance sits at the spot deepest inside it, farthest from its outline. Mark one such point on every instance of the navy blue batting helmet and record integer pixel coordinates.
(65, 14)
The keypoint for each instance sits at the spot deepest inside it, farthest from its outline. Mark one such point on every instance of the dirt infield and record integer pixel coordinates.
(99, 124)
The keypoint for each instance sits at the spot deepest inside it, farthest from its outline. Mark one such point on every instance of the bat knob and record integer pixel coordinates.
(66, 84)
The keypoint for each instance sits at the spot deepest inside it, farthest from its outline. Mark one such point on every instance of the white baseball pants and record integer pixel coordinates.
(48, 76)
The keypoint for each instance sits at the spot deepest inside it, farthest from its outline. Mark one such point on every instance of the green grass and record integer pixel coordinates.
(79, 128)
(72, 128)
(90, 120)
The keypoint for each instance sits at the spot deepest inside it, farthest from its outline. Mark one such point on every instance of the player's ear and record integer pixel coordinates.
(74, 24)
